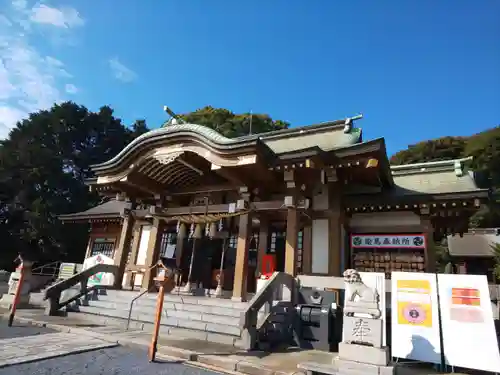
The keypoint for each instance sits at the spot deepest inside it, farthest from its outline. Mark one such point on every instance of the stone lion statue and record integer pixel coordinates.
(354, 286)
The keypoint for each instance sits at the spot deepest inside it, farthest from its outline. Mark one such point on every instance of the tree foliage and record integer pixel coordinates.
(46, 159)
(484, 147)
(233, 125)
(43, 166)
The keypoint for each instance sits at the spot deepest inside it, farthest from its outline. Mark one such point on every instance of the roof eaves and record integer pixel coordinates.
(442, 165)
(82, 216)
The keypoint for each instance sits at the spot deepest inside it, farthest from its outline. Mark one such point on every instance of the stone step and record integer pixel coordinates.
(206, 323)
(122, 295)
(177, 311)
(165, 330)
(148, 305)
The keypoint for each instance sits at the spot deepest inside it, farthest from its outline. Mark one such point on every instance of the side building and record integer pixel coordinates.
(313, 200)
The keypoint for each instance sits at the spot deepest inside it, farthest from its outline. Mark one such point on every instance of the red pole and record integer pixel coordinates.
(159, 308)
(17, 296)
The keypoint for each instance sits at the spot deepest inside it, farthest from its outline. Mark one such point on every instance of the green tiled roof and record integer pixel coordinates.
(328, 136)
(204, 131)
(109, 209)
(327, 140)
(325, 136)
(433, 178)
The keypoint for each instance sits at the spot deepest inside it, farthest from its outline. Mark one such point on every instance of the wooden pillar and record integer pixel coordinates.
(89, 246)
(121, 252)
(128, 278)
(241, 267)
(153, 252)
(335, 238)
(292, 230)
(135, 243)
(335, 245)
(179, 248)
(430, 248)
(307, 250)
(263, 241)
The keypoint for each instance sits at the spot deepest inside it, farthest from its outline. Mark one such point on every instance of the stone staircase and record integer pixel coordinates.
(184, 316)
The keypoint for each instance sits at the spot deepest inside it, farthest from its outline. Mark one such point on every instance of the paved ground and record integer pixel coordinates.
(21, 330)
(31, 344)
(35, 348)
(191, 351)
(119, 361)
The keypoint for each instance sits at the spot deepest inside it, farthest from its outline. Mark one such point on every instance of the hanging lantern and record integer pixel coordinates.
(221, 225)
(181, 232)
(213, 230)
(198, 231)
(207, 230)
(191, 230)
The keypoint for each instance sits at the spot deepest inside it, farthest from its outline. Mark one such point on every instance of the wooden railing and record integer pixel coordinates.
(53, 293)
(280, 287)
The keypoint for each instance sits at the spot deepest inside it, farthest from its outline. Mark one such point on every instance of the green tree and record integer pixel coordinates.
(43, 166)
(484, 147)
(438, 149)
(233, 125)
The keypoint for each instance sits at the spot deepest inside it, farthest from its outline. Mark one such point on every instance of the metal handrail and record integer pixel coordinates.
(132, 304)
(52, 265)
(159, 263)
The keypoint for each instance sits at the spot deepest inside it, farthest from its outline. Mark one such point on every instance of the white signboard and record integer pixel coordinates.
(388, 241)
(100, 278)
(415, 317)
(469, 337)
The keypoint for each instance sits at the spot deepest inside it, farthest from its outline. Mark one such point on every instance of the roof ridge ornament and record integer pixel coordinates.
(458, 168)
(349, 122)
(174, 118)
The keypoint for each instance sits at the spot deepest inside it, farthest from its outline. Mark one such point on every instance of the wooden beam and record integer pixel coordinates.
(143, 183)
(229, 174)
(203, 189)
(213, 208)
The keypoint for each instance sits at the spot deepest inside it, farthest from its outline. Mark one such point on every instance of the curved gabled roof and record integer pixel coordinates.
(327, 136)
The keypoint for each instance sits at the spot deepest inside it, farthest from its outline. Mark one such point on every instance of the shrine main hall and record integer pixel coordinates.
(311, 200)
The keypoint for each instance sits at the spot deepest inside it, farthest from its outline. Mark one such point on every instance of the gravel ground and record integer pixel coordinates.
(20, 330)
(119, 361)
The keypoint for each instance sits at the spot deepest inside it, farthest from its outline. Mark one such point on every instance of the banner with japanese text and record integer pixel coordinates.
(388, 241)
(469, 336)
(415, 330)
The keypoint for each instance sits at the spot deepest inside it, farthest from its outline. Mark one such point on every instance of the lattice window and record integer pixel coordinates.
(104, 246)
(274, 237)
(233, 241)
(168, 245)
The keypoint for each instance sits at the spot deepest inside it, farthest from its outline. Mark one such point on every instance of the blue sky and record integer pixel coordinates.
(416, 69)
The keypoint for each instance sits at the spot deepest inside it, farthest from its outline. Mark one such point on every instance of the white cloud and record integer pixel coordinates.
(30, 80)
(65, 17)
(70, 88)
(120, 71)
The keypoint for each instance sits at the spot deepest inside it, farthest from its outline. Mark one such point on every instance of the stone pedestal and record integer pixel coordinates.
(24, 301)
(362, 353)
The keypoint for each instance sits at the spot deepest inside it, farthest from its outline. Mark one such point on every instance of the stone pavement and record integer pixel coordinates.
(118, 361)
(50, 345)
(21, 330)
(201, 353)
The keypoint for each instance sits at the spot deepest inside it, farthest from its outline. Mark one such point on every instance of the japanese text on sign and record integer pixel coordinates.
(388, 241)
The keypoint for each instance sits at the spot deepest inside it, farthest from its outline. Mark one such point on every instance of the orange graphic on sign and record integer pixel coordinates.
(465, 305)
(465, 296)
